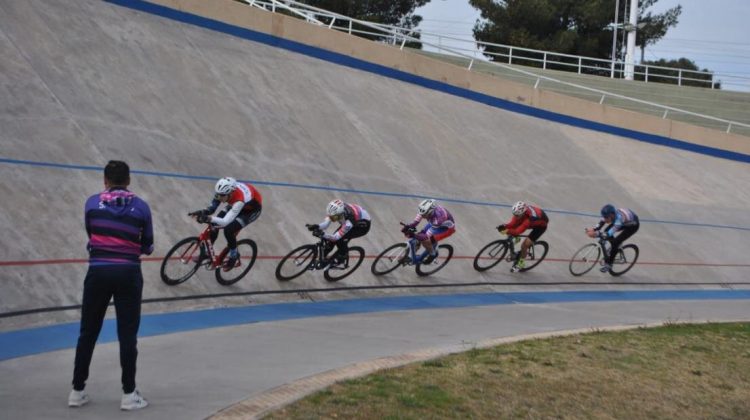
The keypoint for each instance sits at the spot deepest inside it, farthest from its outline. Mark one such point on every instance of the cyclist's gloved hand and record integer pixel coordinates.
(203, 218)
(197, 212)
(500, 228)
(311, 228)
(318, 233)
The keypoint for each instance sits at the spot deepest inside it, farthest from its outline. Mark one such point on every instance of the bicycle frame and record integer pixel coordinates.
(204, 240)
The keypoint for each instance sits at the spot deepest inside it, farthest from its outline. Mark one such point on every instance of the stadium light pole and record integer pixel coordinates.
(614, 37)
(631, 28)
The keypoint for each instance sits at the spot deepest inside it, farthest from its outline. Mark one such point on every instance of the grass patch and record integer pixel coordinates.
(674, 371)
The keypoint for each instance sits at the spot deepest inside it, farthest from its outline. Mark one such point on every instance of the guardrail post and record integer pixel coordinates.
(646, 77)
(580, 64)
(601, 101)
(510, 55)
(403, 42)
(679, 78)
(664, 117)
(471, 63)
(331, 25)
(350, 26)
(729, 127)
(544, 62)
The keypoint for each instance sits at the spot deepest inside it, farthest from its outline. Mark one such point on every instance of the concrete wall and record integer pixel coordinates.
(297, 30)
(87, 81)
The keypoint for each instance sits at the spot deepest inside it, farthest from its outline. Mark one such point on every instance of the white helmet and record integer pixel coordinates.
(225, 185)
(335, 208)
(519, 208)
(426, 206)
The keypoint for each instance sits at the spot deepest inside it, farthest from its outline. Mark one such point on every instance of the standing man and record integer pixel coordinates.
(118, 224)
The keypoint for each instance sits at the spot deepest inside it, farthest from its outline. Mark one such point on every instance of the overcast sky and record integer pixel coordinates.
(715, 34)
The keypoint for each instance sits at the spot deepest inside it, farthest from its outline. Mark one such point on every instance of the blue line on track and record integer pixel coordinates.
(346, 190)
(57, 337)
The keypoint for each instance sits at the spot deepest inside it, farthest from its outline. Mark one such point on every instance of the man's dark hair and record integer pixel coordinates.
(117, 172)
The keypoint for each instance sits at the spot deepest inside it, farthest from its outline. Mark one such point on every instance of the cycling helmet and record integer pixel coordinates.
(225, 186)
(426, 206)
(608, 210)
(335, 208)
(519, 208)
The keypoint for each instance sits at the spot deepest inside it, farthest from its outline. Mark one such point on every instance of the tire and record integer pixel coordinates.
(438, 263)
(296, 262)
(536, 255)
(390, 259)
(585, 259)
(625, 259)
(180, 260)
(248, 252)
(491, 255)
(354, 260)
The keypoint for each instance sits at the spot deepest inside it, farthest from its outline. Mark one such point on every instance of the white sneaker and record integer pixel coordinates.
(133, 401)
(605, 268)
(78, 398)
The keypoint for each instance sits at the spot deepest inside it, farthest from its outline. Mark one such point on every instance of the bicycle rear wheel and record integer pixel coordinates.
(248, 252)
(353, 261)
(178, 264)
(585, 259)
(390, 259)
(624, 260)
(491, 255)
(445, 253)
(535, 255)
(296, 262)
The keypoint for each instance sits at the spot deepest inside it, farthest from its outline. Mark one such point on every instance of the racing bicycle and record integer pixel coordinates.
(586, 258)
(313, 257)
(407, 253)
(183, 260)
(504, 249)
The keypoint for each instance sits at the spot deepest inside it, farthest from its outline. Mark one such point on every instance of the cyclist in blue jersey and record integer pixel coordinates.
(622, 220)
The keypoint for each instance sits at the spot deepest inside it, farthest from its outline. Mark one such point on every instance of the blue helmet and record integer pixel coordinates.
(608, 210)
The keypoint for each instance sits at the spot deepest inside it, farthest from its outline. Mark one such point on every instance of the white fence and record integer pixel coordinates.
(399, 37)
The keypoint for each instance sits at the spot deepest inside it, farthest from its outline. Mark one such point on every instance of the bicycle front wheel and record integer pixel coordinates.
(296, 262)
(491, 255)
(353, 261)
(445, 253)
(624, 260)
(390, 259)
(535, 255)
(248, 252)
(585, 259)
(179, 265)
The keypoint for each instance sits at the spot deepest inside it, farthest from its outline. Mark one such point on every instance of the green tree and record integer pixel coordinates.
(577, 27)
(388, 12)
(689, 78)
(652, 28)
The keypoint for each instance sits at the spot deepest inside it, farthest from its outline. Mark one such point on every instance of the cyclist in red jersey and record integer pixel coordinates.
(244, 204)
(525, 216)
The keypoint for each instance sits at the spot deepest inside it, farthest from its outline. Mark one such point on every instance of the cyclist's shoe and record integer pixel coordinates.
(406, 259)
(337, 261)
(518, 266)
(133, 401)
(605, 268)
(430, 258)
(232, 261)
(78, 398)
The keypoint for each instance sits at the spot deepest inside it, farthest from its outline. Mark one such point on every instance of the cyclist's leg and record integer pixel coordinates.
(534, 236)
(625, 233)
(359, 229)
(435, 235)
(233, 229)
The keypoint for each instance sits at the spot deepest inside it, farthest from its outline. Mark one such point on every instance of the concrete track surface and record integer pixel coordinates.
(87, 81)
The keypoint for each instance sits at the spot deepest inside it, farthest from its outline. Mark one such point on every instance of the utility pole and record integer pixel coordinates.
(614, 37)
(631, 29)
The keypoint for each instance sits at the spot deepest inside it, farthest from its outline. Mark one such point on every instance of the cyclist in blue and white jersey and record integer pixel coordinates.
(622, 220)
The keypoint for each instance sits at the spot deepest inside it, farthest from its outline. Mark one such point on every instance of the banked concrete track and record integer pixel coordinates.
(87, 81)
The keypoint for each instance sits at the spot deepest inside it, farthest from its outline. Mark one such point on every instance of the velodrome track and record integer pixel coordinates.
(89, 81)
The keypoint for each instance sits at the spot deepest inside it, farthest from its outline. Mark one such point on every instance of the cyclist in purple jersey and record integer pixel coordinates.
(440, 225)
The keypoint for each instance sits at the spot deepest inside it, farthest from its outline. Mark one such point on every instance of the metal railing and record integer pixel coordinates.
(399, 37)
